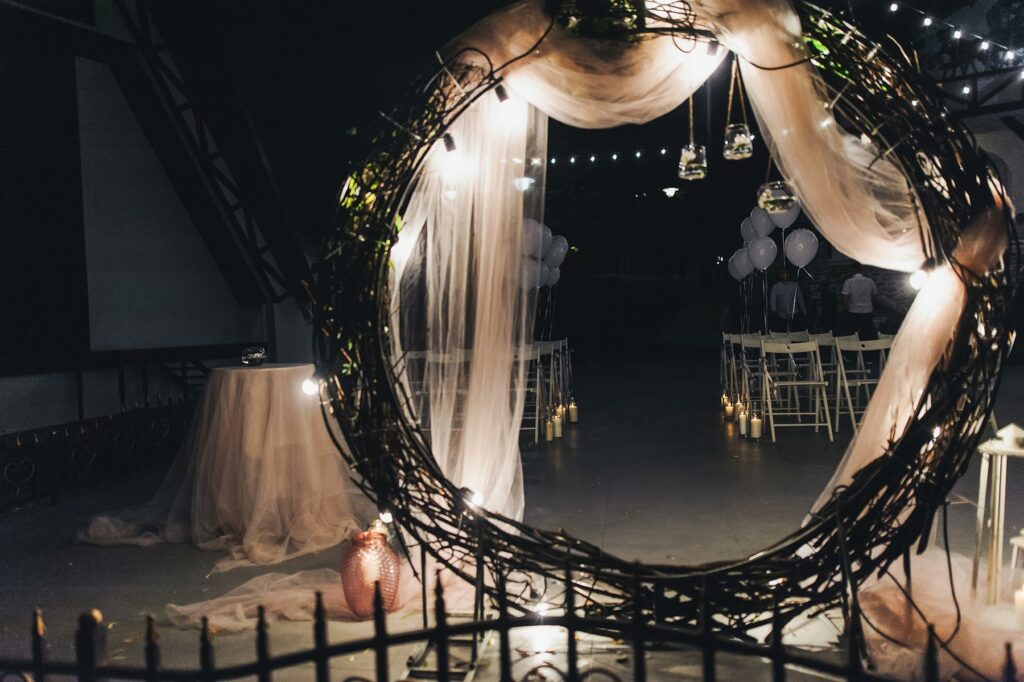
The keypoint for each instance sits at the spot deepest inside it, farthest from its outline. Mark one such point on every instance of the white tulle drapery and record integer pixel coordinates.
(461, 307)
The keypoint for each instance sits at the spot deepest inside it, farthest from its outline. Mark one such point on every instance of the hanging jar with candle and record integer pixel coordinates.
(739, 141)
(693, 159)
(776, 196)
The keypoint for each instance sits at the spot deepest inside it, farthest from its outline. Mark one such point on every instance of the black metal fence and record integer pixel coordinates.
(51, 461)
(643, 636)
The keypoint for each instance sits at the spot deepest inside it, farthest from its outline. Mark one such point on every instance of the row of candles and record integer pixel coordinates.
(556, 419)
(750, 422)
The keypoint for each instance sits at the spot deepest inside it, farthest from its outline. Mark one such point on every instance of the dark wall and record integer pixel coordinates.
(43, 298)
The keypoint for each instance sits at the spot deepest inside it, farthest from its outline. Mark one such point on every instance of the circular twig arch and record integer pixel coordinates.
(881, 514)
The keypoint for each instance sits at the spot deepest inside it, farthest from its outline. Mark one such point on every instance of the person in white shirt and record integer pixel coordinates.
(787, 304)
(859, 294)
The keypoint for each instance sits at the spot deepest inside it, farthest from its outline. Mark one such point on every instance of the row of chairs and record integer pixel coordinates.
(548, 374)
(783, 374)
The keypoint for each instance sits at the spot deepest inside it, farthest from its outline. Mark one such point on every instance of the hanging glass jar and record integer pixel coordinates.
(693, 162)
(776, 196)
(739, 141)
(693, 159)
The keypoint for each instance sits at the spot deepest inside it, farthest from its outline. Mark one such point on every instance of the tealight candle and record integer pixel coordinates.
(756, 425)
(574, 413)
(1018, 603)
(743, 423)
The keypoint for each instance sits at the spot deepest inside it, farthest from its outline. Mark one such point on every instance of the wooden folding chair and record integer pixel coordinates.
(807, 375)
(859, 378)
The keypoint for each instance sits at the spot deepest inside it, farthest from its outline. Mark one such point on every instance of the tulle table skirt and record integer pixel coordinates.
(258, 476)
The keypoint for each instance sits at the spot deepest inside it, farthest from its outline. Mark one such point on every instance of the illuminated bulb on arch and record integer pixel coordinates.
(476, 498)
(922, 275)
(893, 7)
(957, 34)
(984, 45)
(927, 21)
(386, 517)
(309, 387)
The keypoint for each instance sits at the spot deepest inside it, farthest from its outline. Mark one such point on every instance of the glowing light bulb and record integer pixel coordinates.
(386, 517)
(592, 158)
(615, 157)
(984, 45)
(309, 387)
(918, 279)
(554, 160)
(476, 498)
(670, 191)
(663, 151)
(572, 159)
(966, 90)
(927, 21)
(638, 154)
(893, 7)
(957, 34)
(936, 432)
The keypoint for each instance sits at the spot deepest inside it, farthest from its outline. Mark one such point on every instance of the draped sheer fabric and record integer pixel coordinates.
(257, 477)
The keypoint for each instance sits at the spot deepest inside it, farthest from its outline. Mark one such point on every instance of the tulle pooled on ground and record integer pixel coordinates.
(980, 641)
(257, 477)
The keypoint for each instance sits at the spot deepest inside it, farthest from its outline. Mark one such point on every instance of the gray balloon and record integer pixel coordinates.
(762, 252)
(801, 247)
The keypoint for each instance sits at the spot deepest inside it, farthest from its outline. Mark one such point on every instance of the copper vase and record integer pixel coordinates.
(368, 559)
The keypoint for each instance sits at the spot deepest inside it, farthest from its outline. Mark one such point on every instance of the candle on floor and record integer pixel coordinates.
(756, 425)
(1018, 603)
(549, 430)
(737, 410)
(728, 411)
(574, 413)
(558, 424)
(743, 423)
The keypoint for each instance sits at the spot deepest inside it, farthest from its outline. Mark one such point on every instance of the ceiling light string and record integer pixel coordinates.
(1009, 53)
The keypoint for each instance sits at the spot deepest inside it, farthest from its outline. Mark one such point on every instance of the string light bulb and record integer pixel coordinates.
(966, 90)
(309, 387)
(927, 21)
(957, 34)
(984, 45)
(638, 154)
(386, 517)
(893, 7)
(615, 157)
(592, 158)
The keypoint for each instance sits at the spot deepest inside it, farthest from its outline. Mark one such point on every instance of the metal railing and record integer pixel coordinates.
(643, 635)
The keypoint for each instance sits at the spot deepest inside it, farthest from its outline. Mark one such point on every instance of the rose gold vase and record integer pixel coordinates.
(369, 558)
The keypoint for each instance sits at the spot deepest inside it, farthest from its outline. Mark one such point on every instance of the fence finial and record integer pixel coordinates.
(152, 647)
(1010, 668)
(262, 645)
(205, 650)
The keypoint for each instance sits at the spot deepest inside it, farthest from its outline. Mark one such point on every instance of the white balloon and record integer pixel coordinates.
(533, 273)
(547, 239)
(533, 238)
(554, 274)
(801, 246)
(557, 251)
(741, 259)
(762, 252)
(761, 221)
(784, 219)
(747, 230)
(733, 272)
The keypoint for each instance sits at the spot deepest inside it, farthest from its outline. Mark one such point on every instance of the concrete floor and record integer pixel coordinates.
(650, 473)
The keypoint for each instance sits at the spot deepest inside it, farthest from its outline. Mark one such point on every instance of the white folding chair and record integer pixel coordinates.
(859, 378)
(807, 376)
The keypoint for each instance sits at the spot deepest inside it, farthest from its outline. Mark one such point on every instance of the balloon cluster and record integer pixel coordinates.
(543, 254)
(759, 250)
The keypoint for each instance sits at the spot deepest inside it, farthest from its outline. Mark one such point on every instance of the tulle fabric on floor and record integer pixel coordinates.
(257, 476)
(980, 640)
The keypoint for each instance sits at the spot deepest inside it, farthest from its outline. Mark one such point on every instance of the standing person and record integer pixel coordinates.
(787, 304)
(859, 294)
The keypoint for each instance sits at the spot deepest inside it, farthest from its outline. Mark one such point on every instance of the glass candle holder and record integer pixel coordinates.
(739, 142)
(693, 162)
(254, 356)
(776, 196)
